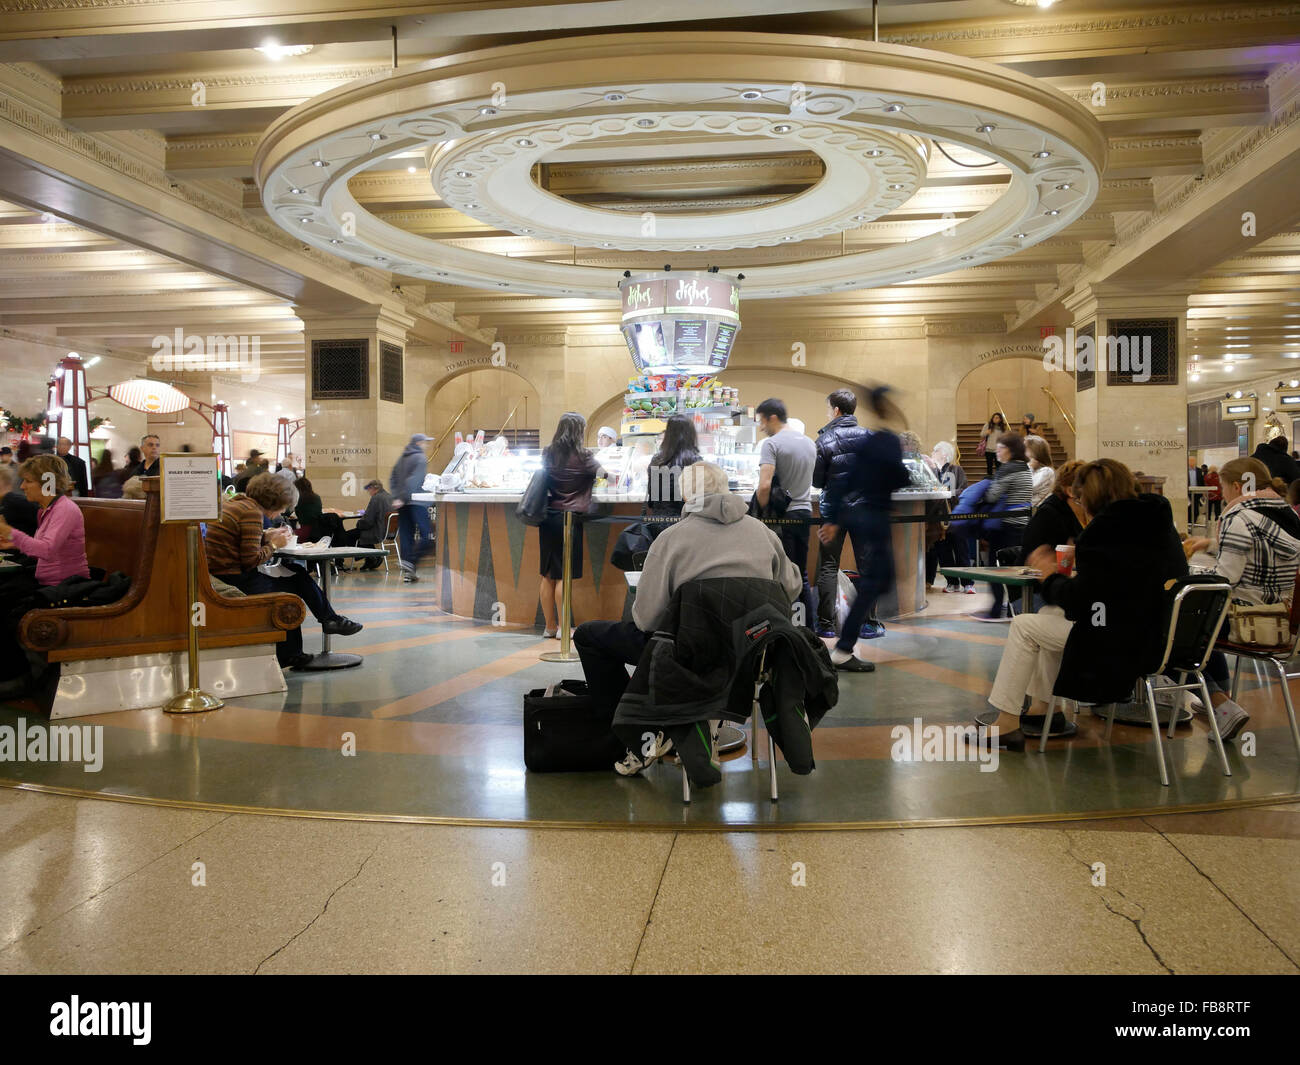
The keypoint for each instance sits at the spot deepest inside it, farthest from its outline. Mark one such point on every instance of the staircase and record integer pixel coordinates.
(968, 439)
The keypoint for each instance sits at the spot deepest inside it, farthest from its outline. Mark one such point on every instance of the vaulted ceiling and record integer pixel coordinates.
(132, 208)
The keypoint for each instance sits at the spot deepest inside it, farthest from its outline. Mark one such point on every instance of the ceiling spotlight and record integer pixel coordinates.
(381, 258)
(1062, 188)
(859, 218)
(378, 137)
(1237, 394)
(297, 191)
(751, 94)
(626, 273)
(986, 128)
(893, 109)
(410, 170)
(787, 238)
(875, 153)
(699, 247)
(525, 231)
(615, 97)
(740, 277)
(713, 269)
(782, 128)
(1053, 212)
(606, 244)
(487, 111)
(503, 284)
(319, 163)
(464, 173)
(304, 218)
(471, 206)
(272, 49)
(1021, 236)
(524, 142)
(645, 123)
(967, 258)
(895, 187)
(335, 240)
(1042, 155)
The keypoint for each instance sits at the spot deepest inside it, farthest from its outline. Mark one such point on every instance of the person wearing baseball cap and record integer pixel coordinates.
(406, 479)
(372, 524)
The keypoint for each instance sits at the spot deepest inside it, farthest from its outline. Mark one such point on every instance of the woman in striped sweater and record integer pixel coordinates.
(1012, 487)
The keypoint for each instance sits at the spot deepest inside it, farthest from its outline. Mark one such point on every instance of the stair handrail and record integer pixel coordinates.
(997, 406)
(1064, 413)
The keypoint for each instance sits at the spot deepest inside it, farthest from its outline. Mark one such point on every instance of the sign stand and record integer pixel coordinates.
(191, 493)
(565, 653)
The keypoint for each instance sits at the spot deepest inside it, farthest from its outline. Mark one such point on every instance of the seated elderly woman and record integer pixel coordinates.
(237, 546)
(1258, 553)
(715, 538)
(58, 546)
(1103, 625)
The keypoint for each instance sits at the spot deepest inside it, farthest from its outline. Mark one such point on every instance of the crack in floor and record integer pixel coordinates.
(1136, 922)
(1210, 880)
(651, 912)
(330, 899)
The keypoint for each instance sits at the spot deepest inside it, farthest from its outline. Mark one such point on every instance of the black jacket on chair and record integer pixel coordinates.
(702, 663)
(1117, 599)
(1053, 523)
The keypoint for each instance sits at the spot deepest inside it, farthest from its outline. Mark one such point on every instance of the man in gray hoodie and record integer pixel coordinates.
(406, 479)
(715, 538)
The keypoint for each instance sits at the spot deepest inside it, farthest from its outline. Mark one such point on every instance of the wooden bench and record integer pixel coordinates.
(131, 654)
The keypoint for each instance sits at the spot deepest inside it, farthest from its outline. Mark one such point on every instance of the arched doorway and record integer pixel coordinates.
(480, 399)
(1018, 386)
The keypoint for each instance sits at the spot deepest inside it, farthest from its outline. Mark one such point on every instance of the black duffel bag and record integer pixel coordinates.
(633, 541)
(566, 733)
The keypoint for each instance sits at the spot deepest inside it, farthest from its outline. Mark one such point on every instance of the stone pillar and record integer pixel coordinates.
(355, 423)
(1142, 425)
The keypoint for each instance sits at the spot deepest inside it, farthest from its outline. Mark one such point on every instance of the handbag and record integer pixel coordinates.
(1262, 625)
(632, 541)
(565, 733)
(532, 505)
(983, 446)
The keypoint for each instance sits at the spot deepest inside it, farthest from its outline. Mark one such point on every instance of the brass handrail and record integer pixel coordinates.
(451, 425)
(1064, 413)
(997, 406)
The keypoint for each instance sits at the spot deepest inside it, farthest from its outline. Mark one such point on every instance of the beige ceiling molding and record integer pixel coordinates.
(775, 85)
(289, 77)
(956, 327)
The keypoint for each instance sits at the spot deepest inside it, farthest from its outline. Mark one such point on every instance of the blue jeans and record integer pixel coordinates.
(412, 518)
(868, 531)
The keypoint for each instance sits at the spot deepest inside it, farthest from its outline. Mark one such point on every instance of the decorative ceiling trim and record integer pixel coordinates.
(624, 78)
(292, 76)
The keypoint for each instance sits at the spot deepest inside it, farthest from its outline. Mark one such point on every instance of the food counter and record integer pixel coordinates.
(487, 560)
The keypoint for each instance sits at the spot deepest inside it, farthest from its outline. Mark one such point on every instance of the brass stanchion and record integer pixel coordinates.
(565, 653)
(193, 700)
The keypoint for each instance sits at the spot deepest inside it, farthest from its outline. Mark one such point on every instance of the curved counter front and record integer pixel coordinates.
(488, 561)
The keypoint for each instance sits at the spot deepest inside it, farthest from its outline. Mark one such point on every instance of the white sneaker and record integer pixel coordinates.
(633, 763)
(1231, 718)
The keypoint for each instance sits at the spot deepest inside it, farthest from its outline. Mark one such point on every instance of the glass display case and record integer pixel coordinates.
(493, 469)
(923, 477)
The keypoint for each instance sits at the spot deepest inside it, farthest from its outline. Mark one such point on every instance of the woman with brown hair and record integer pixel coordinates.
(237, 546)
(1039, 457)
(1103, 626)
(571, 472)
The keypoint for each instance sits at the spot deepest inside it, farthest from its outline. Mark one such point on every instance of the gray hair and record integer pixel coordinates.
(945, 451)
(703, 479)
(8, 477)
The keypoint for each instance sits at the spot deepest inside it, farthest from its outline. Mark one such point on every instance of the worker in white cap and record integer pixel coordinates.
(606, 437)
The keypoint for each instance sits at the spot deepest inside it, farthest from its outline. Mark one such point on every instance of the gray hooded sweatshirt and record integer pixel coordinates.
(715, 538)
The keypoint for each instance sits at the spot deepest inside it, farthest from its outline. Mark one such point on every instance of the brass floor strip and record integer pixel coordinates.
(666, 826)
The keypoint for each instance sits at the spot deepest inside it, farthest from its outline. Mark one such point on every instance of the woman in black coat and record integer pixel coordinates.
(1103, 627)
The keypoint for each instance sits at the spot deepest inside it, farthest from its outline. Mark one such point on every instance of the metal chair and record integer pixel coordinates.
(1276, 657)
(1199, 607)
(390, 540)
(761, 677)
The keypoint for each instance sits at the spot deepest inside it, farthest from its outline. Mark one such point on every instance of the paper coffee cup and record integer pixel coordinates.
(1063, 559)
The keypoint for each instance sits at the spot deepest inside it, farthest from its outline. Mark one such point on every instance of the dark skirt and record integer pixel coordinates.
(551, 543)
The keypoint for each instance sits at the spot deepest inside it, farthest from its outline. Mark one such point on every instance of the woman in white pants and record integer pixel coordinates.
(1102, 628)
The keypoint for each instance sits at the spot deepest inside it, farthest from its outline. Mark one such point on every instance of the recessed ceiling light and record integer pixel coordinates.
(464, 173)
(524, 142)
(471, 206)
(504, 284)
(615, 97)
(893, 109)
(1021, 236)
(895, 187)
(487, 110)
(319, 163)
(787, 238)
(272, 49)
(782, 128)
(699, 247)
(1042, 155)
(750, 94)
(525, 231)
(378, 137)
(645, 123)
(1063, 187)
(335, 240)
(304, 218)
(606, 244)
(859, 217)
(1053, 212)
(381, 258)
(967, 258)
(875, 153)
(410, 170)
(986, 128)
(297, 191)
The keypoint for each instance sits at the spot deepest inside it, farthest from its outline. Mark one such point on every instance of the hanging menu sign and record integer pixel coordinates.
(690, 341)
(643, 298)
(191, 488)
(722, 345)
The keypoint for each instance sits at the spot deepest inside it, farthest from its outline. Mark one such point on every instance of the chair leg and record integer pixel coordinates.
(686, 782)
(1236, 676)
(1155, 731)
(1178, 698)
(1214, 725)
(1047, 724)
(753, 731)
(1286, 698)
(771, 764)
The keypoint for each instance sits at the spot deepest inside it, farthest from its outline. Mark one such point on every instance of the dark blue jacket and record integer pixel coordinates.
(838, 443)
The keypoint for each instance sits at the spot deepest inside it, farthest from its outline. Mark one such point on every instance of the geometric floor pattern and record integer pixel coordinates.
(436, 708)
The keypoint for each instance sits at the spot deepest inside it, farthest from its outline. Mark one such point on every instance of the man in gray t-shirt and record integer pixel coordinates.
(789, 457)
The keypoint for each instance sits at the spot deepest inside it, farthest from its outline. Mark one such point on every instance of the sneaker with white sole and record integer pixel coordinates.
(633, 763)
(1231, 717)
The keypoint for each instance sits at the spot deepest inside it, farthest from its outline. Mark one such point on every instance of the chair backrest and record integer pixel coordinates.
(118, 533)
(1199, 606)
(1295, 605)
(390, 529)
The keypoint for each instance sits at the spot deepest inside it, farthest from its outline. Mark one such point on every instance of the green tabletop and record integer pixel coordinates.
(1013, 575)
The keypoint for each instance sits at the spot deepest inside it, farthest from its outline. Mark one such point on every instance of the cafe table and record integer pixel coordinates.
(1012, 576)
(328, 659)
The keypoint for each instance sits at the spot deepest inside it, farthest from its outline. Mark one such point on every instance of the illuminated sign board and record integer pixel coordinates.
(682, 322)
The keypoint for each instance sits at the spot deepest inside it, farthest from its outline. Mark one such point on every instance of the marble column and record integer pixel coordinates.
(1143, 425)
(349, 439)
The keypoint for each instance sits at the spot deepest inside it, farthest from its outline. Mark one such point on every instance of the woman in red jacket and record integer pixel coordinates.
(1216, 493)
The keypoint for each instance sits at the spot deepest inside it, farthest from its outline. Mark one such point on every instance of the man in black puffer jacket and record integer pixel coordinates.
(838, 444)
(1275, 456)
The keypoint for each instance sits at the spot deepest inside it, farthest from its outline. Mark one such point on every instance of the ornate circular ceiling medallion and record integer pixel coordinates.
(486, 119)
